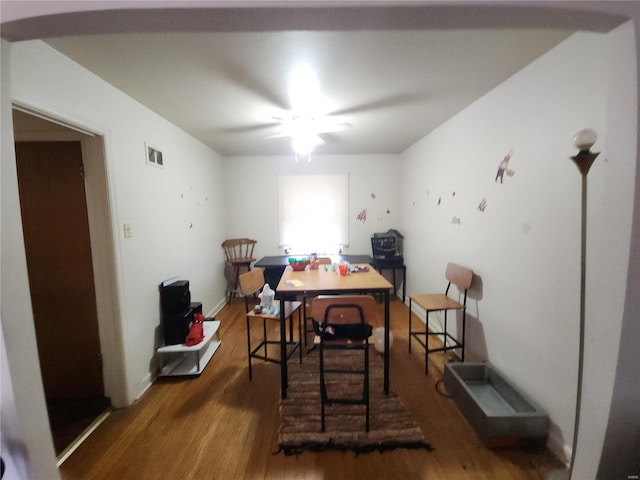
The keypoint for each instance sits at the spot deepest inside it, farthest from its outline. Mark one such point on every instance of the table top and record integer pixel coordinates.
(321, 281)
(283, 260)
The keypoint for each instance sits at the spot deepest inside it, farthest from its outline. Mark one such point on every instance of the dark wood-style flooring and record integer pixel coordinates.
(222, 426)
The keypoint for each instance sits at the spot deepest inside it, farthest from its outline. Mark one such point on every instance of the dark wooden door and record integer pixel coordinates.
(58, 251)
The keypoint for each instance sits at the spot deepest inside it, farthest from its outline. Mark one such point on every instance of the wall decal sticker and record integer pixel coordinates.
(439, 200)
(482, 205)
(503, 167)
(456, 221)
(362, 216)
(373, 195)
(388, 211)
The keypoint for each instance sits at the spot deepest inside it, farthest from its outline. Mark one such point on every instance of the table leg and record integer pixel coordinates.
(410, 302)
(395, 288)
(283, 352)
(386, 341)
(404, 282)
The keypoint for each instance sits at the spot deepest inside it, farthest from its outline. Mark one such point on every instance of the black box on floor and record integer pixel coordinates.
(176, 326)
(175, 297)
(196, 307)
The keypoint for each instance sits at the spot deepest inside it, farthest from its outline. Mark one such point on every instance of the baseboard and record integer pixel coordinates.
(216, 309)
(142, 386)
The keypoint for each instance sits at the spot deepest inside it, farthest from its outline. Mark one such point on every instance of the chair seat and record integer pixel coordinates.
(289, 309)
(436, 301)
(241, 261)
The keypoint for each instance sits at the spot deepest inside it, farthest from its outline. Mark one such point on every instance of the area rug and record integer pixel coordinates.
(391, 424)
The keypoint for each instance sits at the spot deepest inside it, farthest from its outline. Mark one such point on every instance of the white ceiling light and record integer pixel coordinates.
(303, 133)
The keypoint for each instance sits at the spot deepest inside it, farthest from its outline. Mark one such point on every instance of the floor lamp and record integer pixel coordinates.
(584, 140)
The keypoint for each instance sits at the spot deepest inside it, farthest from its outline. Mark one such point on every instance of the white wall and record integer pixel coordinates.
(531, 222)
(175, 212)
(29, 432)
(252, 196)
(525, 246)
(610, 259)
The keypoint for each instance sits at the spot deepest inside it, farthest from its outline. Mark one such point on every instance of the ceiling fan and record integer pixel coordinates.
(305, 130)
(305, 117)
(305, 122)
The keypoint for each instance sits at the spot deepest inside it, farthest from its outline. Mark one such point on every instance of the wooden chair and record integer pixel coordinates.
(306, 302)
(459, 276)
(239, 253)
(251, 283)
(343, 310)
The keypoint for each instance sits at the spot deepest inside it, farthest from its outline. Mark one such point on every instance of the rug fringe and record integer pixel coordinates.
(320, 447)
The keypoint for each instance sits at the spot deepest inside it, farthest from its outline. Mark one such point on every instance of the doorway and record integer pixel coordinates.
(61, 280)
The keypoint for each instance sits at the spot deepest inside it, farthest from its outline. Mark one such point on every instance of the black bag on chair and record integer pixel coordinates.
(351, 332)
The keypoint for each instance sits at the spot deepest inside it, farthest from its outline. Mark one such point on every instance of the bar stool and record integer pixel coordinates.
(459, 276)
(250, 284)
(239, 253)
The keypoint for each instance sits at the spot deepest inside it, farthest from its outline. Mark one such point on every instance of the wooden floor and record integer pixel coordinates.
(222, 426)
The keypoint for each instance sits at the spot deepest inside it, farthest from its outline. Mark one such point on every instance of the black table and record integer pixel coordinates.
(274, 265)
(380, 266)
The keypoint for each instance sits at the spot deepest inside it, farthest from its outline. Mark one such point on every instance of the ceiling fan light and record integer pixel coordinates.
(303, 144)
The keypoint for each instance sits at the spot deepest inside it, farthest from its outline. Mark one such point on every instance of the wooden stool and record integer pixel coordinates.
(239, 252)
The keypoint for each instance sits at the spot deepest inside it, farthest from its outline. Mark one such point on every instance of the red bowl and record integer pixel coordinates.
(299, 266)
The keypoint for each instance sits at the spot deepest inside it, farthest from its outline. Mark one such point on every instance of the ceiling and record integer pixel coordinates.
(393, 70)
(392, 86)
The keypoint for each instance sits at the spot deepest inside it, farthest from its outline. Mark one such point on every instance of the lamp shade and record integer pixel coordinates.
(585, 139)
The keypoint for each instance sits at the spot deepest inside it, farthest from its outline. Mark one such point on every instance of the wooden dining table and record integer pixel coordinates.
(327, 281)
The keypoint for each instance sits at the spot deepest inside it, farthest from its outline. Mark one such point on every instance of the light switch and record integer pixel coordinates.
(127, 230)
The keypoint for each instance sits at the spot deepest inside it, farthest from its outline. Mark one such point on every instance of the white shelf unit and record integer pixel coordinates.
(184, 360)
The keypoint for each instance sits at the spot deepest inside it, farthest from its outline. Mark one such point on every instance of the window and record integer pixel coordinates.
(313, 213)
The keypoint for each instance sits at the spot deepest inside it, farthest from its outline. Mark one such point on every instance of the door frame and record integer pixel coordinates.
(100, 195)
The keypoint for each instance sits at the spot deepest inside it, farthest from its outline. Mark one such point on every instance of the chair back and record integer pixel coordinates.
(251, 282)
(460, 276)
(324, 260)
(343, 309)
(239, 250)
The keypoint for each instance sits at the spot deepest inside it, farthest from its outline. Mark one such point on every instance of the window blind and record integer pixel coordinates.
(313, 212)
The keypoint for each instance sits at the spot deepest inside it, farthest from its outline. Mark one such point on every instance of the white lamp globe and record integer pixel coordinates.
(585, 139)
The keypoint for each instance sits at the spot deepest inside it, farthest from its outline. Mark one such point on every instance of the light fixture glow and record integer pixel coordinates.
(303, 144)
(303, 133)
